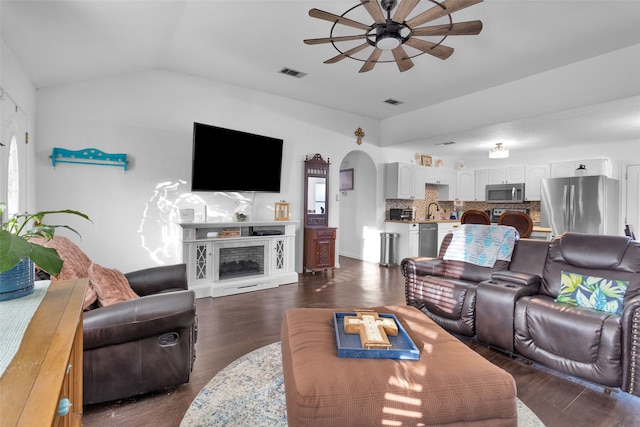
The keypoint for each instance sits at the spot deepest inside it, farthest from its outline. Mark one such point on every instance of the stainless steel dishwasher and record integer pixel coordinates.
(428, 239)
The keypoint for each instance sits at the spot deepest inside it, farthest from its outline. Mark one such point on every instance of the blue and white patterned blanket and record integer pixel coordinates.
(482, 245)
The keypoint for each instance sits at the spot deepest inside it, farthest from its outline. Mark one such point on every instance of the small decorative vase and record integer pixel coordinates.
(18, 281)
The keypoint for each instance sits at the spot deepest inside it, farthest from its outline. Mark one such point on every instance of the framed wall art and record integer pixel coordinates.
(426, 161)
(346, 179)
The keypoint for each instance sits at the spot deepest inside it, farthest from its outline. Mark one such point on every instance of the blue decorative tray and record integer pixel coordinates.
(402, 347)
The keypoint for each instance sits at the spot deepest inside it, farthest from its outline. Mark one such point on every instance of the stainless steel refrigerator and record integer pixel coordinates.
(582, 204)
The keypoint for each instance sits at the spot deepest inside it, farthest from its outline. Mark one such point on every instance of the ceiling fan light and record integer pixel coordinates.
(499, 152)
(387, 41)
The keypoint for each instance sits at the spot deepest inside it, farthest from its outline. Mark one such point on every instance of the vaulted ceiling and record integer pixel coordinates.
(540, 72)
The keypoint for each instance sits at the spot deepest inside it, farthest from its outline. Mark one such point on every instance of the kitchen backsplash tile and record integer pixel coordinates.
(446, 207)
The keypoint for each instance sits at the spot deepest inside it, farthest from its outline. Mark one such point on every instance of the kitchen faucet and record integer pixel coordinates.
(429, 216)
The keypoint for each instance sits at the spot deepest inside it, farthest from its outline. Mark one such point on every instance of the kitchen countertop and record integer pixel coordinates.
(536, 229)
(424, 221)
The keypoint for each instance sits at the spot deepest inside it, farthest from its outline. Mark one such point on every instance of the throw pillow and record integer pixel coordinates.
(75, 263)
(593, 292)
(110, 284)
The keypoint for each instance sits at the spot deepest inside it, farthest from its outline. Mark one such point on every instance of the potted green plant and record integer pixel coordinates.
(18, 254)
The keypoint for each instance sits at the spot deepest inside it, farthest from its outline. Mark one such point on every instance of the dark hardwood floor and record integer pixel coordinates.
(235, 325)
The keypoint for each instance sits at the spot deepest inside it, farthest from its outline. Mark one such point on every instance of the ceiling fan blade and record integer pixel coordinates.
(321, 14)
(374, 10)
(347, 53)
(334, 39)
(404, 9)
(436, 12)
(437, 50)
(458, 29)
(371, 61)
(402, 59)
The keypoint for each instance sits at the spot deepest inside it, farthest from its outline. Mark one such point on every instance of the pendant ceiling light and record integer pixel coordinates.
(499, 152)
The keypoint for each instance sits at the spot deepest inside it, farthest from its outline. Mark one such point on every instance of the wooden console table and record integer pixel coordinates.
(48, 364)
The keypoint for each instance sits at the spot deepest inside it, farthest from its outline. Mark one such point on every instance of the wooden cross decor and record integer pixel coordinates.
(359, 133)
(374, 331)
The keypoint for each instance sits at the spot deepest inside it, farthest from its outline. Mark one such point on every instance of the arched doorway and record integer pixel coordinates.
(359, 236)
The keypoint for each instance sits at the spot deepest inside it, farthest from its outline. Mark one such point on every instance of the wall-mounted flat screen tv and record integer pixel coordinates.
(231, 160)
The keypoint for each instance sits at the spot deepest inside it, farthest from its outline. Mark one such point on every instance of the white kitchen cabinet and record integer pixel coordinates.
(480, 177)
(563, 169)
(414, 240)
(418, 182)
(465, 185)
(534, 174)
(439, 176)
(443, 229)
(509, 174)
(404, 181)
(445, 179)
(593, 167)
(408, 240)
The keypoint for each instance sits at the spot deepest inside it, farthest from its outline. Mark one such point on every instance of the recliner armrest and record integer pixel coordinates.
(158, 279)
(630, 346)
(138, 318)
(516, 277)
(423, 266)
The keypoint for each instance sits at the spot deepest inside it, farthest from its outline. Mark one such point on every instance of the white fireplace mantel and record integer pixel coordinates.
(202, 242)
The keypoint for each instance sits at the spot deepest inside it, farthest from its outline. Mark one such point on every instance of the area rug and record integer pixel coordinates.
(250, 392)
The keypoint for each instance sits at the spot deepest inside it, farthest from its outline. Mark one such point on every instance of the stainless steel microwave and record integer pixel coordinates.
(505, 193)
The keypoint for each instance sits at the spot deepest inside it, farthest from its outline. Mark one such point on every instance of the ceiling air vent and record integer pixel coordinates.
(293, 73)
(393, 101)
(446, 143)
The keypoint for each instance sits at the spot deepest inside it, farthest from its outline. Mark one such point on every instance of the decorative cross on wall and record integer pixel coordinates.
(359, 133)
(374, 331)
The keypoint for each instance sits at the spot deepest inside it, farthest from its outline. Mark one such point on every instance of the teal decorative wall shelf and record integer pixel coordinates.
(88, 156)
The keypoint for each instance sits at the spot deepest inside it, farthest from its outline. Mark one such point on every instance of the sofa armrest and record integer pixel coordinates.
(516, 277)
(138, 318)
(631, 346)
(158, 279)
(423, 266)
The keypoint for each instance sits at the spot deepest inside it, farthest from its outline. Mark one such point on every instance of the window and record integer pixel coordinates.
(13, 179)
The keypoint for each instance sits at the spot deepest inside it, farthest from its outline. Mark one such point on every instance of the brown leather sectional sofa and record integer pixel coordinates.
(513, 306)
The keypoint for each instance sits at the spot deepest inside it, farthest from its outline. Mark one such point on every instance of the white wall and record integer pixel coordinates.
(18, 90)
(150, 116)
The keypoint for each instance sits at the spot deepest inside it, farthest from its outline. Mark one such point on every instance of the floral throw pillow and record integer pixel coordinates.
(593, 292)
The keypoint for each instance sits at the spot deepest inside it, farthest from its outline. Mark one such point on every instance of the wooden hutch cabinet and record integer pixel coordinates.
(320, 247)
(319, 238)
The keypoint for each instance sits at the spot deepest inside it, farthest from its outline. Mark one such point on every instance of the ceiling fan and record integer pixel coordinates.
(392, 33)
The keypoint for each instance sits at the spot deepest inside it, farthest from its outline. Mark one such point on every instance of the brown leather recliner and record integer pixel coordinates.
(141, 345)
(594, 345)
(446, 290)
(137, 346)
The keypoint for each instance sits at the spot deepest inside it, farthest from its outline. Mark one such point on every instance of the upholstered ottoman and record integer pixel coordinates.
(450, 384)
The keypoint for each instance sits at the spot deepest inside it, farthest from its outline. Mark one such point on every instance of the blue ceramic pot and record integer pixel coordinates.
(18, 281)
